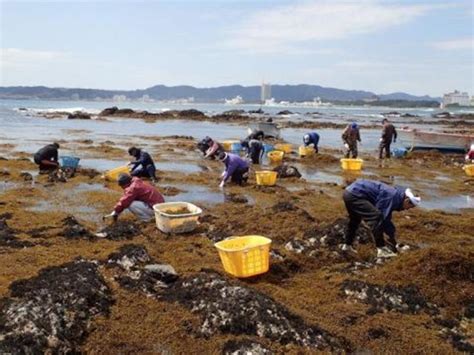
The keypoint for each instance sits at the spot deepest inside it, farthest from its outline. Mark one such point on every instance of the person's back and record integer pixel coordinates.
(236, 161)
(48, 152)
(138, 190)
(378, 193)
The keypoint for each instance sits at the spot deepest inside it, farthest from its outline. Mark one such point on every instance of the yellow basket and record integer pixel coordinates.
(227, 145)
(245, 256)
(306, 151)
(275, 156)
(284, 147)
(266, 177)
(112, 175)
(351, 164)
(469, 169)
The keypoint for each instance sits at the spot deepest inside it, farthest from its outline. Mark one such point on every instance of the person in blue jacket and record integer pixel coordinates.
(374, 202)
(311, 138)
(236, 168)
(143, 166)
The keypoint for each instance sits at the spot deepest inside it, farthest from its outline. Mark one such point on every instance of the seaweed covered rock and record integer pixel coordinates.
(120, 230)
(79, 115)
(75, 230)
(287, 171)
(8, 237)
(138, 271)
(387, 298)
(50, 313)
(232, 308)
(245, 347)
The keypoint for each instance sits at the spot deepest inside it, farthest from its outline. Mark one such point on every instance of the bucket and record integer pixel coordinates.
(352, 164)
(268, 147)
(69, 162)
(245, 256)
(399, 152)
(306, 151)
(231, 145)
(284, 147)
(266, 177)
(276, 156)
(112, 175)
(469, 169)
(169, 220)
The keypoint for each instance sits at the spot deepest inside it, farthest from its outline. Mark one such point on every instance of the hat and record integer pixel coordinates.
(472, 146)
(306, 138)
(415, 200)
(222, 156)
(354, 125)
(124, 179)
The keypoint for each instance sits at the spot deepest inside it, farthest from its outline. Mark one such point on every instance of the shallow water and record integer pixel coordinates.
(448, 203)
(201, 194)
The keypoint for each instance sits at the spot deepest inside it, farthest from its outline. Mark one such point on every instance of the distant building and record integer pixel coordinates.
(373, 98)
(456, 98)
(235, 101)
(119, 98)
(265, 92)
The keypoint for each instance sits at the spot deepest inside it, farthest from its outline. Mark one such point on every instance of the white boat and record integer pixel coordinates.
(270, 129)
(416, 139)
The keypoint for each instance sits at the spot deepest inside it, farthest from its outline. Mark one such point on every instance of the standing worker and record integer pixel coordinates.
(374, 202)
(236, 168)
(350, 137)
(389, 134)
(143, 166)
(47, 158)
(138, 197)
(311, 138)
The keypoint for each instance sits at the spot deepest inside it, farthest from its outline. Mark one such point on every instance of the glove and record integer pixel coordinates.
(346, 145)
(221, 185)
(223, 173)
(113, 215)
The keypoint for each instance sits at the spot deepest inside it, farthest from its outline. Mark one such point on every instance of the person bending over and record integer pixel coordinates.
(47, 158)
(311, 138)
(236, 169)
(143, 166)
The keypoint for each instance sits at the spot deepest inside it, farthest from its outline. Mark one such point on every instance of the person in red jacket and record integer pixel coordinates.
(138, 197)
(470, 155)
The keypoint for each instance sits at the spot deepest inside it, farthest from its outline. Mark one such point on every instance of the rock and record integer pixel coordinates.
(78, 115)
(8, 236)
(234, 308)
(5, 172)
(75, 230)
(233, 112)
(259, 111)
(110, 111)
(121, 230)
(192, 113)
(442, 115)
(287, 171)
(129, 256)
(245, 347)
(51, 313)
(285, 112)
(26, 176)
(163, 272)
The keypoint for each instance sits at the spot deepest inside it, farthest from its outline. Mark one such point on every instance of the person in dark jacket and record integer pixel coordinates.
(47, 158)
(350, 137)
(236, 168)
(374, 202)
(254, 150)
(258, 135)
(210, 147)
(311, 138)
(389, 134)
(143, 166)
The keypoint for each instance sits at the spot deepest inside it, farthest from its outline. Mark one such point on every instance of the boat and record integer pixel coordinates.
(416, 139)
(270, 129)
(235, 101)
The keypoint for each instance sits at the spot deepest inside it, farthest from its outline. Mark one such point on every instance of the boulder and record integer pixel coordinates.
(79, 115)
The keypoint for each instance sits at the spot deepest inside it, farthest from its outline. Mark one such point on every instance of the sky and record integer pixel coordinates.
(419, 47)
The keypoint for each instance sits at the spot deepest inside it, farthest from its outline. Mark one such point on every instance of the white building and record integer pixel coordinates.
(265, 92)
(456, 97)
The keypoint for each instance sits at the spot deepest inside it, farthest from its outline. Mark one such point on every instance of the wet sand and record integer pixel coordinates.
(303, 217)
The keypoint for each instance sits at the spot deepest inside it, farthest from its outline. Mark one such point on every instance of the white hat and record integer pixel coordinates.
(415, 200)
(472, 146)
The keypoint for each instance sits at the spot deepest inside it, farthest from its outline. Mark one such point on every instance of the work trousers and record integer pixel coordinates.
(352, 151)
(360, 209)
(384, 146)
(149, 171)
(141, 210)
(240, 176)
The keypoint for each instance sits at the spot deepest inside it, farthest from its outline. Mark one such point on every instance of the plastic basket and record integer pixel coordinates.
(231, 145)
(469, 169)
(306, 151)
(176, 223)
(276, 156)
(69, 162)
(268, 147)
(113, 175)
(284, 147)
(352, 164)
(399, 152)
(245, 256)
(266, 177)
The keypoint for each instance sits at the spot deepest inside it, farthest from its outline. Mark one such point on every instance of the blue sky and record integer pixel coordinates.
(421, 47)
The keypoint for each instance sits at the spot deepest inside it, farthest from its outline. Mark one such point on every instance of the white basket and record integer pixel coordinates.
(176, 223)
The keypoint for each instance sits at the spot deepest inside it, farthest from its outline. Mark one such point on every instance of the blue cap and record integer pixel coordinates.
(354, 125)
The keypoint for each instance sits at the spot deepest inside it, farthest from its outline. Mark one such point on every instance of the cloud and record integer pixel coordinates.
(292, 26)
(17, 57)
(455, 44)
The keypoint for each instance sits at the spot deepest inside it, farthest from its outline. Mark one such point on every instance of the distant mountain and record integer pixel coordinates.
(216, 94)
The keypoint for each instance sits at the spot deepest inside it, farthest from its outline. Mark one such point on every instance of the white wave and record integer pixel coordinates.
(66, 109)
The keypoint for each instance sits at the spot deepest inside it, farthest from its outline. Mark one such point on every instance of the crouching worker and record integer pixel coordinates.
(138, 197)
(311, 139)
(374, 202)
(210, 147)
(143, 166)
(470, 155)
(47, 158)
(236, 168)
